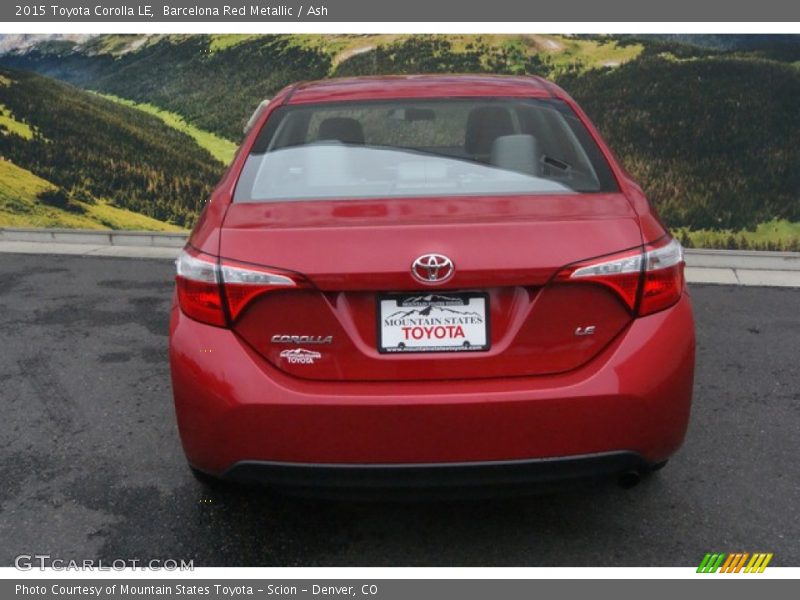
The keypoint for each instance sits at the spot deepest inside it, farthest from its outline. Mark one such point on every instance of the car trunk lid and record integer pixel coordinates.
(357, 255)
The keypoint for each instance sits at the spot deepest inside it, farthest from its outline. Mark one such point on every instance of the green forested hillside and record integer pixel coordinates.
(27, 201)
(94, 150)
(213, 91)
(220, 148)
(438, 54)
(714, 141)
(215, 82)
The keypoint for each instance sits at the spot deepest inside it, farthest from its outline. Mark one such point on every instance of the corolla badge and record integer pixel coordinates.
(283, 338)
(300, 356)
(432, 268)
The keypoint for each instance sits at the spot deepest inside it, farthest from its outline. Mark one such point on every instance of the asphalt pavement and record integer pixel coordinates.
(91, 464)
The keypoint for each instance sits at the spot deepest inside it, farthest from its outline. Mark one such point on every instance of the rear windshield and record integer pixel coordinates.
(407, 148)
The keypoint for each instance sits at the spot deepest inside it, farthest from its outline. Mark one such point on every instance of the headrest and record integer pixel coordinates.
(520, 153)
(484, 125)
(342, 129)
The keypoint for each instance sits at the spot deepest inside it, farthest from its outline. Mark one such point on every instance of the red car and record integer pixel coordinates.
(416, 281)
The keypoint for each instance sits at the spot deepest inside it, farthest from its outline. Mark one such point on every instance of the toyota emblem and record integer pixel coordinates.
(432, 268)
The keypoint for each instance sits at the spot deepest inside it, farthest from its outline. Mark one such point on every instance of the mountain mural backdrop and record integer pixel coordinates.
(132, 131)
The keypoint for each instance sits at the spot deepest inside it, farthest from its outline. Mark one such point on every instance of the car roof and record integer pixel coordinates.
(422, 86)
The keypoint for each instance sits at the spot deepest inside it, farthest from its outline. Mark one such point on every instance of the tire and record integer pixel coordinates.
(658, 466)
(209, 481)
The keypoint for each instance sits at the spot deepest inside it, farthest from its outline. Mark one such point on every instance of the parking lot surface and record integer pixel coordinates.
(91, 465)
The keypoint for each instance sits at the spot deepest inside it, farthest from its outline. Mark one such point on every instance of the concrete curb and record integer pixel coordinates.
(95, 238)
(744, 259)
(724, 267)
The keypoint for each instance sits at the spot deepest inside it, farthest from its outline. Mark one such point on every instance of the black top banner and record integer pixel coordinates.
(245, 11)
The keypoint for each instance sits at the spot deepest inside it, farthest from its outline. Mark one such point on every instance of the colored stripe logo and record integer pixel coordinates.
(735, 562)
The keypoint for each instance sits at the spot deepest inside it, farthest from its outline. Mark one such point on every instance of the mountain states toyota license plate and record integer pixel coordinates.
(433, 323)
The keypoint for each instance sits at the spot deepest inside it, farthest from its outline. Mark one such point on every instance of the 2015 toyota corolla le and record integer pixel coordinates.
(428, 281)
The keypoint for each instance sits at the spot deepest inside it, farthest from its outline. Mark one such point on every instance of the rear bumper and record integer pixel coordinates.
(239, 416)
(539, 473)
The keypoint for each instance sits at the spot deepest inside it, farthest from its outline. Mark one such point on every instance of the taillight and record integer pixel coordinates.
(216, 293)
(243, 283)
(663, 277)
(647, 280)
(199, 288)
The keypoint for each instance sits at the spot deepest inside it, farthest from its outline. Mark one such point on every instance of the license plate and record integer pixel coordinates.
(433, 323)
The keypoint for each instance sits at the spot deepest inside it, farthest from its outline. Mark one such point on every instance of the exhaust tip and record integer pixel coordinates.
(629, 479)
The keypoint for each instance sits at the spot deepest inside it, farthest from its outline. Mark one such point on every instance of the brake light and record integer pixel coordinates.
(663, 277)
(216, 293)
(647, 280)
(243, 283)
(199, 288)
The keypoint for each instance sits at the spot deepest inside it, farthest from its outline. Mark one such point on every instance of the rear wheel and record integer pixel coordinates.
(209, 481)
(658, 466)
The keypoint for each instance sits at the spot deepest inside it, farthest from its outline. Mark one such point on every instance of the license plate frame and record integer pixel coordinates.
(474, 321)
